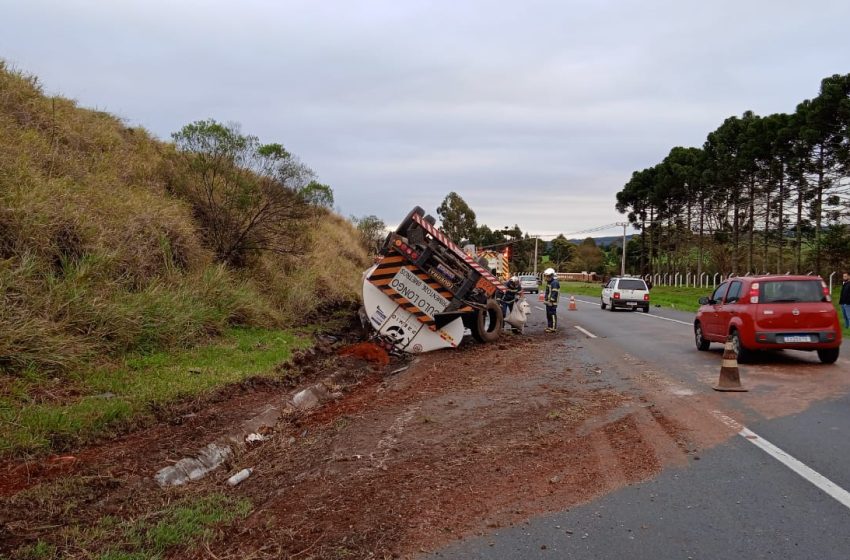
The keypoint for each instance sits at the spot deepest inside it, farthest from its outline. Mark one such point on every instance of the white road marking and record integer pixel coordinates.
(650, 316)
(731, 422)
(833, 490)
(590, 334)
(647, 315)
(540, 308)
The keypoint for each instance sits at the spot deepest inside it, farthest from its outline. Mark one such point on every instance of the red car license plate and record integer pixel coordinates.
(797, 338)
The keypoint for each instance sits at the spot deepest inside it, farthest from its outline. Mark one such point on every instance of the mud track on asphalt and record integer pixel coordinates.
(460, 443)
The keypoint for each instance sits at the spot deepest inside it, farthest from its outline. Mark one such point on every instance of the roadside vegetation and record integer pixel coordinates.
(40, 413)
(125, 261)
(678, 298)
(763, 193)
(186, 525)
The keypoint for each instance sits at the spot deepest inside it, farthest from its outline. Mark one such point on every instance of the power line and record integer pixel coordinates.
(554, 235)
(598, 228)
(505, 243)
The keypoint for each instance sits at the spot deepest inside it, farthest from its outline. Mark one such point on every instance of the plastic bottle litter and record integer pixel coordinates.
(239, 477)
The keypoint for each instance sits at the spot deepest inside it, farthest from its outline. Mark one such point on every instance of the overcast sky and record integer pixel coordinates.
(536, 113)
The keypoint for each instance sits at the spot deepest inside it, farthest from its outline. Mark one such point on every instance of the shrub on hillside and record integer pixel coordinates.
(243, 194)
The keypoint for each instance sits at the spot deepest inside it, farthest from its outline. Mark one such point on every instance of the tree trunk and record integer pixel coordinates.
(751, 234)
(799, 233)
(819, 209)
(735, 232)
(651, 239)
(701, 231)
(766, 231)
(780, 259)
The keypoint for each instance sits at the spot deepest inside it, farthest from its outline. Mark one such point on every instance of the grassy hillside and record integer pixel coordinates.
(99, 258)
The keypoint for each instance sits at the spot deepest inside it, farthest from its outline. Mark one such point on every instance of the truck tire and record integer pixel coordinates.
(488, 322)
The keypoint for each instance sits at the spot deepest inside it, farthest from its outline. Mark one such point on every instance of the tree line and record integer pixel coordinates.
(763, 194)
(458, 221)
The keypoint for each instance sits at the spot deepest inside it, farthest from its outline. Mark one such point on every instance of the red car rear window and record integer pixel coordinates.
(791, 291)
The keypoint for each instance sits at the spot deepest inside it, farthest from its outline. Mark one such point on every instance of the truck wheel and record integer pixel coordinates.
(489, 322)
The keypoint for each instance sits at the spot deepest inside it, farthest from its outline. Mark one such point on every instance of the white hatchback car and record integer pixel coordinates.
(529, 283)
(629, 293)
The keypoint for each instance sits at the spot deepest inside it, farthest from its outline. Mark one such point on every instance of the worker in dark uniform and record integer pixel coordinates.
(550, 298)
(513, 289)
(844, 299)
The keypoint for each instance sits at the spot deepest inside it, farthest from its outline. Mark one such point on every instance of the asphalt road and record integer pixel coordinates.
(775, 487)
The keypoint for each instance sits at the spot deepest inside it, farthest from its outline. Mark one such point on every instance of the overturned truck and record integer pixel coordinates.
(424, 291)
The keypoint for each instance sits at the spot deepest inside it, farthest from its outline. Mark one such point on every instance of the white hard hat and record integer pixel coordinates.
(549, 272)
(514, 278)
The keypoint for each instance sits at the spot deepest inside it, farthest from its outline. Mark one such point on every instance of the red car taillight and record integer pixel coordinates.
(826, 295)
(645, 297)
(754, 292)
(616, 295)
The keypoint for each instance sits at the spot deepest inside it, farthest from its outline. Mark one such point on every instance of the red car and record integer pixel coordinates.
(770, 313)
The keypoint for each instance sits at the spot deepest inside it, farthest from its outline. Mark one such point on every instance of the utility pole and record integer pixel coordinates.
(536, 238)
(623, 263)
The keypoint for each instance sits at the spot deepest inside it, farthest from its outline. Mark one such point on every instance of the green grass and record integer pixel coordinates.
(681, 299)
(38, 551)
(182, 525)
(107, 398)
(179, 525)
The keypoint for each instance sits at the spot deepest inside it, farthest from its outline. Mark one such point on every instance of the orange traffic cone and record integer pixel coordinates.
(729, 378)
(572, 306)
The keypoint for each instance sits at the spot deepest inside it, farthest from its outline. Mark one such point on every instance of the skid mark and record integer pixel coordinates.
(637, 458)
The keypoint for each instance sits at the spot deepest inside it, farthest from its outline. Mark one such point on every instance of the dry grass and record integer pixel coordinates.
(98, 258)
(327, 276)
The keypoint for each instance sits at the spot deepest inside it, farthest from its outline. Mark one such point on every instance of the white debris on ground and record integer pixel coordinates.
(194, 468)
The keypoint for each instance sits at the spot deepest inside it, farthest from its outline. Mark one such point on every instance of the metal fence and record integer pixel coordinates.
(707, 280)
(679, 279)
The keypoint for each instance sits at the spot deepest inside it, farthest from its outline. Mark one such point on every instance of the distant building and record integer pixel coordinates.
(578, 276)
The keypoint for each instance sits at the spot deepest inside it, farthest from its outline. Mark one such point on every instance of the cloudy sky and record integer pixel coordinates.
(535, 112)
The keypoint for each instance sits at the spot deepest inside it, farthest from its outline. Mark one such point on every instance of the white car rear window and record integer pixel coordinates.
(631, 285)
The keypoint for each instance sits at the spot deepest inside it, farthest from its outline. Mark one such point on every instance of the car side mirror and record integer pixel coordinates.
(704, 300)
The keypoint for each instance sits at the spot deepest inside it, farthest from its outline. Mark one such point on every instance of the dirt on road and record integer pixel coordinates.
(459, 443)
